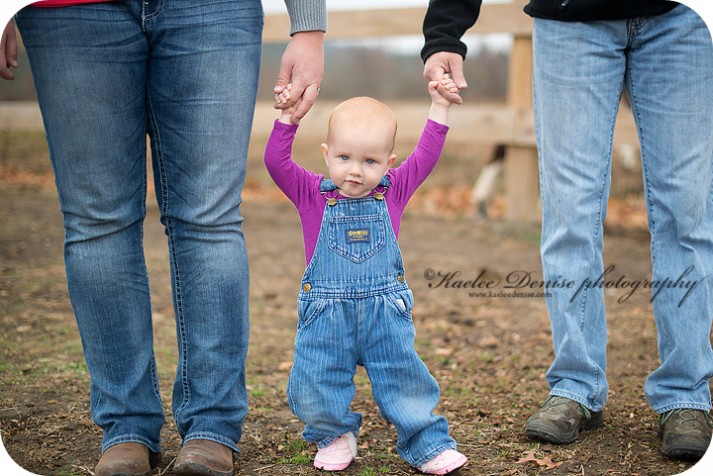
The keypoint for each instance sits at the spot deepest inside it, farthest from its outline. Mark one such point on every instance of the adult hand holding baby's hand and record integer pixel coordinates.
(444, 92)
(442, 64)
(302, 65)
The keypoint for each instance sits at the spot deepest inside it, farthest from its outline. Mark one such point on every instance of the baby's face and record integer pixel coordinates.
(357, 159)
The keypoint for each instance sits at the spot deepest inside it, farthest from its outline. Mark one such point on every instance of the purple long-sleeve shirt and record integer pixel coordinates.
(302, 186)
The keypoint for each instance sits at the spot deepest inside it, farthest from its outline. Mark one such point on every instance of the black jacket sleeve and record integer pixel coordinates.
(446, 21)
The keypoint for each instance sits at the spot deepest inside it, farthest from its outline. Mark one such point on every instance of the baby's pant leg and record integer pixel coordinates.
(403, 388)
(321, 386)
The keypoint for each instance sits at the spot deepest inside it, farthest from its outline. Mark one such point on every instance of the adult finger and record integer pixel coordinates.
(456, 69)
(308, 99)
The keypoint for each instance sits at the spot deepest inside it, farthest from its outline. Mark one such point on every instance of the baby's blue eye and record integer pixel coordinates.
(344, 157)
(370, 161)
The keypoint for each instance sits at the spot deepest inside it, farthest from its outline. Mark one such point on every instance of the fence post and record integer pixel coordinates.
(521, 171)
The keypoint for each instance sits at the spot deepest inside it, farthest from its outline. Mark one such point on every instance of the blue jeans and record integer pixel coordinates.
(666, 64)
(355, 309)
(185, 73)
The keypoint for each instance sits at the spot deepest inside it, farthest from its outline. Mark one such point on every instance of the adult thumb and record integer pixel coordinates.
(457, 73)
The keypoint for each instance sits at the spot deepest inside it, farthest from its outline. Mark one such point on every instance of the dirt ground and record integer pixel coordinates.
(489, 354)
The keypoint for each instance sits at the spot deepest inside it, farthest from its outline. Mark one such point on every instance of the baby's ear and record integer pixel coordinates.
(392, 160)
(325, 151)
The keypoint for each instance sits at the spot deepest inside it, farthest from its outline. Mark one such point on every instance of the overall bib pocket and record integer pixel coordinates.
(356, 239)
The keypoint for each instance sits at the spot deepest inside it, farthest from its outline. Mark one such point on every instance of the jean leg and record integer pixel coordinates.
(578, 77)
(321, 384)
(670, 83)
(403, 388)
(90, 82)
(201, 96)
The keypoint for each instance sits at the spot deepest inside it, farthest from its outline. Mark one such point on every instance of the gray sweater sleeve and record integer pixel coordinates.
(307, 15)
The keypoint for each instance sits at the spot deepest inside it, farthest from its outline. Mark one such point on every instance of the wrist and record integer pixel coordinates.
(312, 37)
(285, 118)
(439, 113)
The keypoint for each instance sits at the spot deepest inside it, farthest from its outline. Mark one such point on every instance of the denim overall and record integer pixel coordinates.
(355, 309)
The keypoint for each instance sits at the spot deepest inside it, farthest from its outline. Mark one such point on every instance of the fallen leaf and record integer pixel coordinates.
(547, 462)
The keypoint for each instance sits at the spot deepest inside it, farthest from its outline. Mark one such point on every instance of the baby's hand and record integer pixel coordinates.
(283, 97)
(439, 91)
(440, 104)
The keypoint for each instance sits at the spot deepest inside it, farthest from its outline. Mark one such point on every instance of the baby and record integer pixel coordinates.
(354, 305)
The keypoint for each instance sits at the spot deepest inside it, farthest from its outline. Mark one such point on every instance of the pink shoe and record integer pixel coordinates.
(338, 455)
(444, 463)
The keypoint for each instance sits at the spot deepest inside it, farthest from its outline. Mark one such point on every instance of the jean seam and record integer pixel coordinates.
(644, 167)
(97, 404)
(598, 223)
(317, 293)
(154, 371)
(597, 382)
(146, 18)
(156, 137)
(290, 384)
(181, 323)
(598, 236)
(154, 377)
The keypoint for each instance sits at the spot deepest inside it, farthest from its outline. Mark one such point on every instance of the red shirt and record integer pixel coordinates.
(65, 3)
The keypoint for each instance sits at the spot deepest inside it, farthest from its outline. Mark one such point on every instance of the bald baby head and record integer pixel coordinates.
(363, 116)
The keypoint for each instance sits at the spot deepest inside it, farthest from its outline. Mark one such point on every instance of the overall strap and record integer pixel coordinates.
(326, 185)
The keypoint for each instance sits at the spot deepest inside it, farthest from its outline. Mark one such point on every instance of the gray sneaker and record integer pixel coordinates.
(560, 419)
(686, 433)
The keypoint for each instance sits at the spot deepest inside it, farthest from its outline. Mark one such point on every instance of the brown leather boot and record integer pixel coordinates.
(204, 458)
(126, 459)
